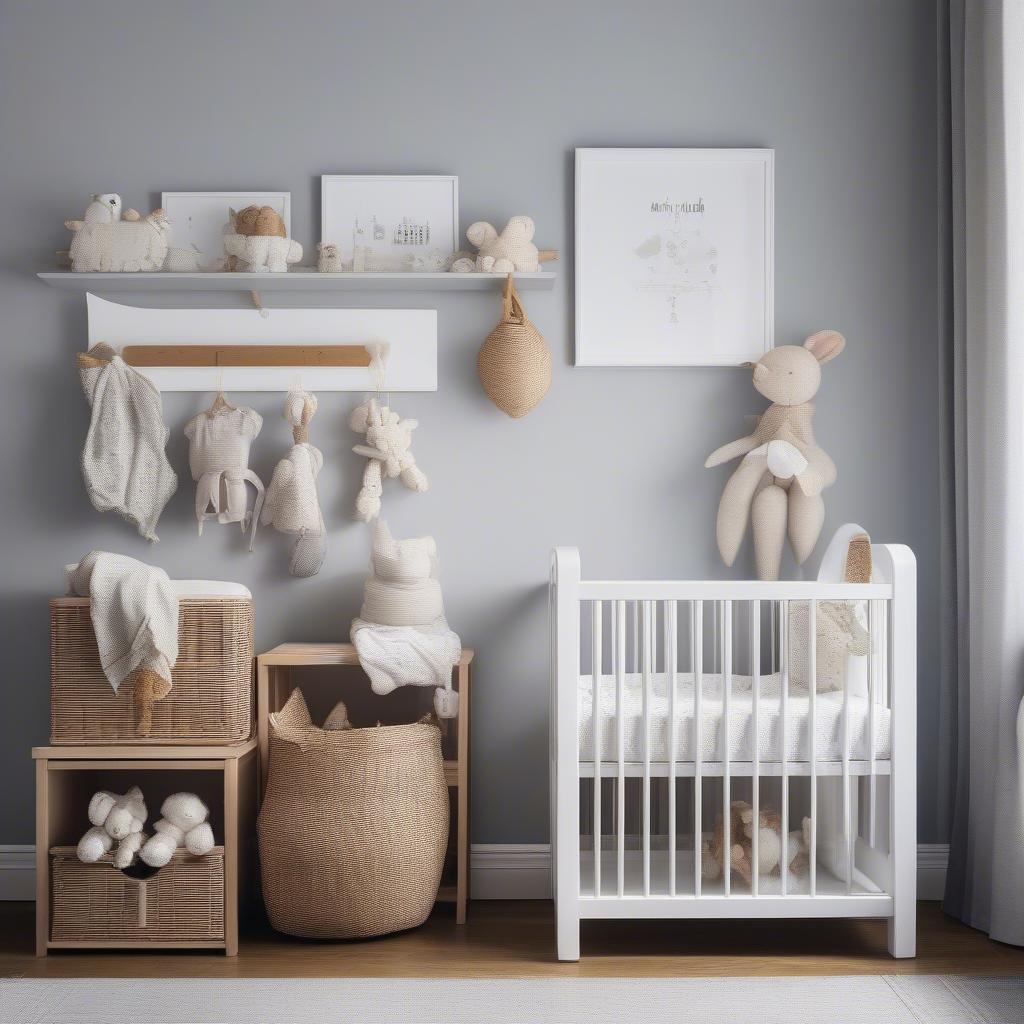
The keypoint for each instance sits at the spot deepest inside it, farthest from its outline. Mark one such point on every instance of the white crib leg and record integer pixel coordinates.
(568, 927)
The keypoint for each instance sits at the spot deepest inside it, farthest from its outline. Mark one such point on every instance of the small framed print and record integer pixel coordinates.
(202, 218)
(674, 256)
(391, 222)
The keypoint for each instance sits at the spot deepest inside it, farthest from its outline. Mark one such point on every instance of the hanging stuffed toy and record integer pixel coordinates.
(292, 504)
(218, 455)
(389, 450)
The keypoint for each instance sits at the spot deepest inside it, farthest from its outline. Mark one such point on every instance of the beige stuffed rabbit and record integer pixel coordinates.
(783, 472)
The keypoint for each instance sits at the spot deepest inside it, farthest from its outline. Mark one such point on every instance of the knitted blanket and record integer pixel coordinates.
(123, 460)
(134, 611)
(394, 656)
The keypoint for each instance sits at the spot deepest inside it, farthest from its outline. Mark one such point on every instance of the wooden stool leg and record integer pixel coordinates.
(42, 857)
(231, 840)
(462, 852)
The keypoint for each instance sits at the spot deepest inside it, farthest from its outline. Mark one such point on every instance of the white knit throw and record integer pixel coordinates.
(123, 460)
(134, 610)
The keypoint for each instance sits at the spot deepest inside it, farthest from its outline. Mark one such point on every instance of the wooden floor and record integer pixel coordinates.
(516, 939)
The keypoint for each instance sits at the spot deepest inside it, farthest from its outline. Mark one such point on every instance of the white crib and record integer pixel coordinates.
(639, 774)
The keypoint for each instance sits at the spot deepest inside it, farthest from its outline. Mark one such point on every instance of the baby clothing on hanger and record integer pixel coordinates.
(218, 456)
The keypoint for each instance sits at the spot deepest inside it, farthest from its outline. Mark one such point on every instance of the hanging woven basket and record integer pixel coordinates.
(514, 362)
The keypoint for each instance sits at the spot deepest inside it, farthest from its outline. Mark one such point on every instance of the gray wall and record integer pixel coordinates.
(139, 97)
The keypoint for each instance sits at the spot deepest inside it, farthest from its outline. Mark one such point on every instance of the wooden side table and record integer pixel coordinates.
(273, 687)
(67, 776)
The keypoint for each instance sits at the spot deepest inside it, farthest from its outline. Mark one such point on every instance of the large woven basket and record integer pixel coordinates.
(353, 828)
(514, 362)
(211, 696)
(182, 902)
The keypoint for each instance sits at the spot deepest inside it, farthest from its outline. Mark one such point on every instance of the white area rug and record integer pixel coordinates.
(874, 999)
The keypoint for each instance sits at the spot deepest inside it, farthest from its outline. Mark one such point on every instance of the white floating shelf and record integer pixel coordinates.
(296, 280)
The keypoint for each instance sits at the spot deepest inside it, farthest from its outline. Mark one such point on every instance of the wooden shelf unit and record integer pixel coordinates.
(61, 819)
(274, 685)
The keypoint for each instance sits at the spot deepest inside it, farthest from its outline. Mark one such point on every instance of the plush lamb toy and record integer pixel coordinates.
(263, 253)
(108, 242)
(328, 260)
(511, 250)
(783, 471)
(292, 504)
(389, 450)
(115, 819)
(183, 824)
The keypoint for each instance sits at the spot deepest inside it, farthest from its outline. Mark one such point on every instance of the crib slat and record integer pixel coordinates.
(872, 697)
(597, 666)
(620, 792)
(755, 671)
(726, 620)
(784, 710)
(671, 650)
(646, 639)
(697, 642)
(812, 740)
(847, 826)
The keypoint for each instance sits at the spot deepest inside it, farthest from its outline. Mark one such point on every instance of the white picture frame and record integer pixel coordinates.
(391, 222)
(199, 218)
(674, 256)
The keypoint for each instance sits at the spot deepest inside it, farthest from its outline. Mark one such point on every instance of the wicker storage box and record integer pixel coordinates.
(183, 902)
(353, 827)
(211, 697)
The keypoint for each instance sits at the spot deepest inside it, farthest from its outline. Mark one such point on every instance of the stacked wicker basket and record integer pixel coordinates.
(205, 724)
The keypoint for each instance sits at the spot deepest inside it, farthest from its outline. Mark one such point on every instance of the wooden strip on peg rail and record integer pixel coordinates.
(245, 355)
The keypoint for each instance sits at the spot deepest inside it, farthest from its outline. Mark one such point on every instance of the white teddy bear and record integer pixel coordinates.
(183, 824)
(389, 450)
(115, 819)
(511, 250)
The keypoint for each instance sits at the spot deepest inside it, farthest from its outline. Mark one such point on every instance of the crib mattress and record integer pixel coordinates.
(828, 721)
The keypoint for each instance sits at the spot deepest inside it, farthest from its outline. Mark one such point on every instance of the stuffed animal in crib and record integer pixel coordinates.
(389, 451)
(778, 483)
(741, 840)
(115, 819)
(292, 504)
(840, 627)
(109, 242)
(503, 252)
(328, 259)
(184, 823)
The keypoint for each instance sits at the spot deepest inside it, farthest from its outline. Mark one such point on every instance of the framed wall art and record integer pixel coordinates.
(201, 218)
(674, 256)
(391, 222)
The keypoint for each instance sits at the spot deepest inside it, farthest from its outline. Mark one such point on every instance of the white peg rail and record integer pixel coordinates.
(411, 336)
(690, 697)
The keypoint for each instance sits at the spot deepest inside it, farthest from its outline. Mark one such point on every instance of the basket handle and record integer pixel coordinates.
(512, 308)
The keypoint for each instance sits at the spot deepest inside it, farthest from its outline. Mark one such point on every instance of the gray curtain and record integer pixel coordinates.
(982, 364)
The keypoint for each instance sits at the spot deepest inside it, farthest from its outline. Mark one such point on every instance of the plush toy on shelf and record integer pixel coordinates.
(510, 250)
(257, 241)
(292, 504)
(108, 241)
(783, 471)
(184, 823)
(328, 260)
(389, 451)
(115, 819)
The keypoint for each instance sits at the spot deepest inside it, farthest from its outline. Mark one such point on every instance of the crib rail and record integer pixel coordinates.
(636, 829)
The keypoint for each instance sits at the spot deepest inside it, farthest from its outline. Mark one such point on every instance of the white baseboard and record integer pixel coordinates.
(17, 872)
(498, 871)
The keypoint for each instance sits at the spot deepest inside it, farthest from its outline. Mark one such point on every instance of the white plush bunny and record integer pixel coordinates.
(115, 819)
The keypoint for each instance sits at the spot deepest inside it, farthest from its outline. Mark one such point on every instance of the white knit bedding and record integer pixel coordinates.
(828, 720)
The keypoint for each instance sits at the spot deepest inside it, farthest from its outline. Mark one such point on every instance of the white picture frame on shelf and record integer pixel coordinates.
(201, 218)
(674, 256)
(391, 223)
